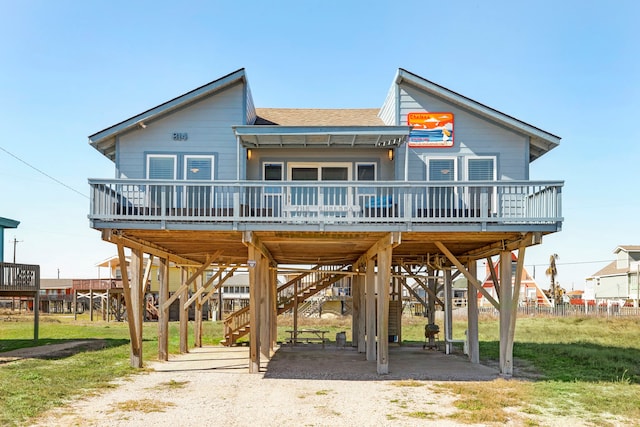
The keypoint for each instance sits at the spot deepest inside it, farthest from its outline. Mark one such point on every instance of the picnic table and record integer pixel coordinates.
(307, 335)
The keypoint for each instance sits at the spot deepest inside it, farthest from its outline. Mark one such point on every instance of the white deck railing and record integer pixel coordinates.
(512, 202)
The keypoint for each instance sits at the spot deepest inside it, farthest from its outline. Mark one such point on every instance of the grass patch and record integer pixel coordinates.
(421, 415)
(145, 405)
(407, 383)
(29, 387)
(585, 368)
(173, 385)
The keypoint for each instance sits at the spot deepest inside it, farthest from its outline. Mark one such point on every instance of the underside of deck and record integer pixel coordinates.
(315, 247)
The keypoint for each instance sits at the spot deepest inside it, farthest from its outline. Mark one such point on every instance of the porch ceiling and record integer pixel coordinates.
(315, 247)
(321, 136)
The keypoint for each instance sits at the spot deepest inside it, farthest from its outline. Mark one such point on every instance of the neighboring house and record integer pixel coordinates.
(530, 293)
(619, 279)
(235, 292)
(56, 295)
(429, 182)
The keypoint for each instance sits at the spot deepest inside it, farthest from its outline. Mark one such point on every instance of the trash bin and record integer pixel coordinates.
(341, 339)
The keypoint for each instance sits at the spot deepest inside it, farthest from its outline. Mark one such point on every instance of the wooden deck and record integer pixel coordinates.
(19, 279)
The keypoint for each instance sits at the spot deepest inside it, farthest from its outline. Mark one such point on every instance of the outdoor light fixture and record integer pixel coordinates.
(390, 153)
(249, 153)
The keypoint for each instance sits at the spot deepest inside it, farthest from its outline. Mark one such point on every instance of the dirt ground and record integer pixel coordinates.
(303, 385)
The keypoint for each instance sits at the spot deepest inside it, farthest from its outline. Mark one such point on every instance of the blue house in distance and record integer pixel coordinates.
(421, 187)
(20, 281)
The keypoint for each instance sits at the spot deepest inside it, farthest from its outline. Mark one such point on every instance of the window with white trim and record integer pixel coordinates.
(273, 171)
(198, 168)
(481, 168)
(161, 166)
(441, 201)
(481, 200)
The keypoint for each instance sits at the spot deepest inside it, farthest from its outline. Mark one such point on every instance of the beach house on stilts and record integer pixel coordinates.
(422, 187)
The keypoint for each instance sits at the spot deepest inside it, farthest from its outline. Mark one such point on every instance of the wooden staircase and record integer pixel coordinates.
(307, 285)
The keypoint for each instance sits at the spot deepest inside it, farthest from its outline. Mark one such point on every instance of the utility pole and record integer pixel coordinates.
(15, 242)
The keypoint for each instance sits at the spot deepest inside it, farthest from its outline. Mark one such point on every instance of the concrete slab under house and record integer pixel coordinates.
(416, 190)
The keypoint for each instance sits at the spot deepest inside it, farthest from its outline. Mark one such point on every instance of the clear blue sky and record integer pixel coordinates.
(71, 68)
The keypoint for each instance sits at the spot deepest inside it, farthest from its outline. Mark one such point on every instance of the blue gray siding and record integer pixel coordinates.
(389, 108)
(473, 136)
(208, 126)
(250, 107)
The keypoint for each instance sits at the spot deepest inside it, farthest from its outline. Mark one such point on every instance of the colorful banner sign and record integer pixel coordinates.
(430, 130)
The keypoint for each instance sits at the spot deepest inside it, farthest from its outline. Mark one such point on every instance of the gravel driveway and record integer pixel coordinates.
(302, 386)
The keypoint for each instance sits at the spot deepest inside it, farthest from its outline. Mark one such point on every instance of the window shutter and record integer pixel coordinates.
(441, 170)
(161, 168)
(199, 168)
(480, 169)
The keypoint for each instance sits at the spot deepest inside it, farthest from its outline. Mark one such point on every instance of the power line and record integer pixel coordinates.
(44, 173)
(575, 263)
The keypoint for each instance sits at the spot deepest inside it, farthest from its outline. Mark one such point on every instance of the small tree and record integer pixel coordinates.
(552, 272)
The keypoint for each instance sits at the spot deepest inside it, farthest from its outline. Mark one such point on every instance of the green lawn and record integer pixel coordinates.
(580, 367)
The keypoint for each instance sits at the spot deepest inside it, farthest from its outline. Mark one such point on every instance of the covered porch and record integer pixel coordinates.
(378, 264)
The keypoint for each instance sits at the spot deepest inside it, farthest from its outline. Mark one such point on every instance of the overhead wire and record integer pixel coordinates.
(44, 173)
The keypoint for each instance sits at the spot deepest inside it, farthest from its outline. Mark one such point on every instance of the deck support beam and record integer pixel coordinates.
(197, 324)
(134, 334)
(163, 313)
(254, 310)
(262, 301)
(377, 314)
(509, 296)
(448, 312)
(472, 316)
(265, 306)
(471, 279)
(384, 278)
(506, 290)
(273, 307)
(370, 309)
(183, 294)
(358, 316)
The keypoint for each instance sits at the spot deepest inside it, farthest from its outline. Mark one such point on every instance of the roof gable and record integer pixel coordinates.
(105, 140)
(8, 223)
(540, 141)
(627, 248)
(610, 269)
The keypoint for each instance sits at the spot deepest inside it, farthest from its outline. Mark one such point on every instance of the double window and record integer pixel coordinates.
(448, 199)
(194, 168)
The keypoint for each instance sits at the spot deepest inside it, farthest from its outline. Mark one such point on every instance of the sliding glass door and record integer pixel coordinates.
(312, 199)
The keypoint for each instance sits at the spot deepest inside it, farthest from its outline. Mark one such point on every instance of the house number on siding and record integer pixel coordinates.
(180, 136)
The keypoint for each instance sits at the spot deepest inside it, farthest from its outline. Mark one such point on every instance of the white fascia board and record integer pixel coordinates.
(320, 130)
(456, 98)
